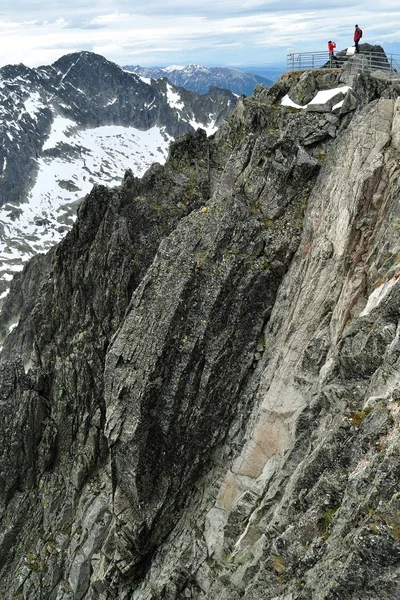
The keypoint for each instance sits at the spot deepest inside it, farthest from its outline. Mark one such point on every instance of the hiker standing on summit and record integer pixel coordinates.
(331, 51)
(357, 37)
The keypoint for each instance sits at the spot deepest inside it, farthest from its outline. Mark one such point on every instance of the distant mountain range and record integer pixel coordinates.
(269, 71)
(79, 122)
(198, 78)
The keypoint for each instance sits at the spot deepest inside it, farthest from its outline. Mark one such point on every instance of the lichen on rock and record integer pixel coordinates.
(205, 401)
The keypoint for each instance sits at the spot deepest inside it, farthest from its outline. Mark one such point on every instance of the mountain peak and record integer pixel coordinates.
(84, 62)
(81, 121)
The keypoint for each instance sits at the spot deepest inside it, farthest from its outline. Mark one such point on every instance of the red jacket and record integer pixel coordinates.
(357, 34)
(331, 47)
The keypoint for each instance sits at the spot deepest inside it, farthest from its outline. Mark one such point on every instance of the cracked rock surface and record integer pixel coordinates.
(201, 397)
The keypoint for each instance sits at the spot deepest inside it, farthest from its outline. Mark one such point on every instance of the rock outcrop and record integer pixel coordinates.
(200, 384)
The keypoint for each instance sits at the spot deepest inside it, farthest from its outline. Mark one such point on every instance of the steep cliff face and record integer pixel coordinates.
(205, 398)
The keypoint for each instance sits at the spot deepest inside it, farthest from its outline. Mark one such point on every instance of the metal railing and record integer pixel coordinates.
(373, 62)
(304, 61)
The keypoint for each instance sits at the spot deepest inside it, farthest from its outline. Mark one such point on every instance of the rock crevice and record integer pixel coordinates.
(205, 404)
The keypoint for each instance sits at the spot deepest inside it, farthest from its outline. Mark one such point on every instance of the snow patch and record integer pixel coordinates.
(15, 268)
(325, 95)
(59, 132)
(95, 156)
(145, 79)
(33, 104)
(174, 68)
(338, 105)
(209, 129)
(322, 97)
(286, 101)
(174, 99)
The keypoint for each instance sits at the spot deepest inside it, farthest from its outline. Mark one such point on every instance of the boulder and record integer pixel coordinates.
(303, 91)
(325, 106)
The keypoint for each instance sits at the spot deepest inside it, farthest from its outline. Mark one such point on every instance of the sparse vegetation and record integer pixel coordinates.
(358, 416)
(327, 520)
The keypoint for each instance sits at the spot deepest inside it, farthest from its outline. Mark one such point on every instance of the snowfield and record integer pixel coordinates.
(42, 116)
(101, 156)
(321, 98)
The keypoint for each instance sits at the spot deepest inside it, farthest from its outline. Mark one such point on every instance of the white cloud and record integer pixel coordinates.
(211, 32)
(111, 19)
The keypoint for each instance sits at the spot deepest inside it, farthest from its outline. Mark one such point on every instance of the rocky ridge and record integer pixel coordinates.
(205, 399)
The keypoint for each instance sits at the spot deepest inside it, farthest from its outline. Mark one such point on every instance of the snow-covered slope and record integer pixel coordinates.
(79, 122)
(90, 156)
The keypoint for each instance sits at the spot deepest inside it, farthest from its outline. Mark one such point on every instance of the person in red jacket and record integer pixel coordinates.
(331, 51)
(357, 37)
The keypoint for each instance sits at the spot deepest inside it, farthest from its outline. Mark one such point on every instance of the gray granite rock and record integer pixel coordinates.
(205, 404)
(304, 90)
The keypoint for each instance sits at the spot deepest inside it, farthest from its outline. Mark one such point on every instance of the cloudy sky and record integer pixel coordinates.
(209, 32)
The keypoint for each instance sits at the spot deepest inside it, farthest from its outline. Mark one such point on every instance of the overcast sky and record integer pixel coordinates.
(209, 32)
